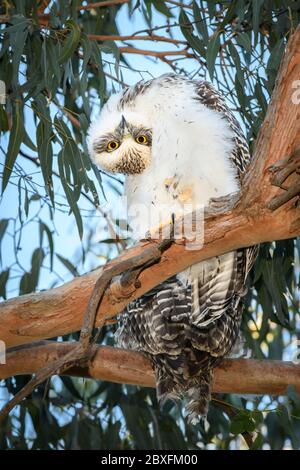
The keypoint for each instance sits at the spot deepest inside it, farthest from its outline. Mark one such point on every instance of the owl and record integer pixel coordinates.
(178, 144)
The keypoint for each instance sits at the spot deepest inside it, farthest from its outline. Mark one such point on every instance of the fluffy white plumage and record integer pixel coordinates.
(194, 151)
(189, 140)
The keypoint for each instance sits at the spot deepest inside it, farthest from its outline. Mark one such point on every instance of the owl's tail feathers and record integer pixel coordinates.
(171, 385)
(198, 398)
(166, 386)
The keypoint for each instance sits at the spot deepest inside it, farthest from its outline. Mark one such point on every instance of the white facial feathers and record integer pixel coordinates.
(131, 137)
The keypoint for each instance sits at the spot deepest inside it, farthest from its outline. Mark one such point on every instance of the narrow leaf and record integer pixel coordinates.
(71, 43)
(15, 139)
(45, 229)
(68, 265)
(211, 53)
(4, 276)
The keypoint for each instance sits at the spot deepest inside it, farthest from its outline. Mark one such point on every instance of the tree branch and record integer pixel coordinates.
(105, 3)
(179, 4)
(158, 54)
(243, 376)
(98, 37)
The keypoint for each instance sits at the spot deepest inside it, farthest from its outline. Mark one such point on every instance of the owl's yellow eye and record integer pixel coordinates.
(112, 145)
(142, 139)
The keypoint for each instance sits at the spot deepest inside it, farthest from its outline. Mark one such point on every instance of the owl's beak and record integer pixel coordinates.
(123, 123)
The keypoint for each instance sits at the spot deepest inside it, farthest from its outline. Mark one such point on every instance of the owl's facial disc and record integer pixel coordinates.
(126, 150)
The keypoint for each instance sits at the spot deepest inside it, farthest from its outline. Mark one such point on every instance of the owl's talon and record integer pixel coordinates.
(172, 228)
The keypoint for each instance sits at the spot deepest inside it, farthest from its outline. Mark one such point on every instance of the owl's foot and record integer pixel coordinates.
(183, 194)
(163, 231)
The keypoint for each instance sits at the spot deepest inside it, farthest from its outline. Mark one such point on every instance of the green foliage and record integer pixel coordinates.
(56, 76)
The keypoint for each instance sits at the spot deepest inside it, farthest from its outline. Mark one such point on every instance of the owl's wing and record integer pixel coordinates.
(217, 292)
(211, 98)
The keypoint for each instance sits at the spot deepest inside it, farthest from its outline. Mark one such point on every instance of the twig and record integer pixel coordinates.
(158, 54)
(67, 113)
(179, 4)
(106, 3)
(97, 37)
(280, 173)
(109, 75)
(43, 6)
(94, 66)
(283, 198)
(58, 366)
(284, 168)
(111, 228)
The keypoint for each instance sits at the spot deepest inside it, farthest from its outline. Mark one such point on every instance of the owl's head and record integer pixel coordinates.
(120, 141)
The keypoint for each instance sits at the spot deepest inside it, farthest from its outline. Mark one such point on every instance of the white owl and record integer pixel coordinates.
(178, 144)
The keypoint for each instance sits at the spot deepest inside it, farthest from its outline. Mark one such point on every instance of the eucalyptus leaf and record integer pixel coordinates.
(16, 137)
(4, 276)
(213, 47)
(71, 42)
(68, 265)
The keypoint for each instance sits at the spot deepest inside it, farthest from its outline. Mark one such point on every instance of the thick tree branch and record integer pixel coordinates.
(245, 376)
(229, 224)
